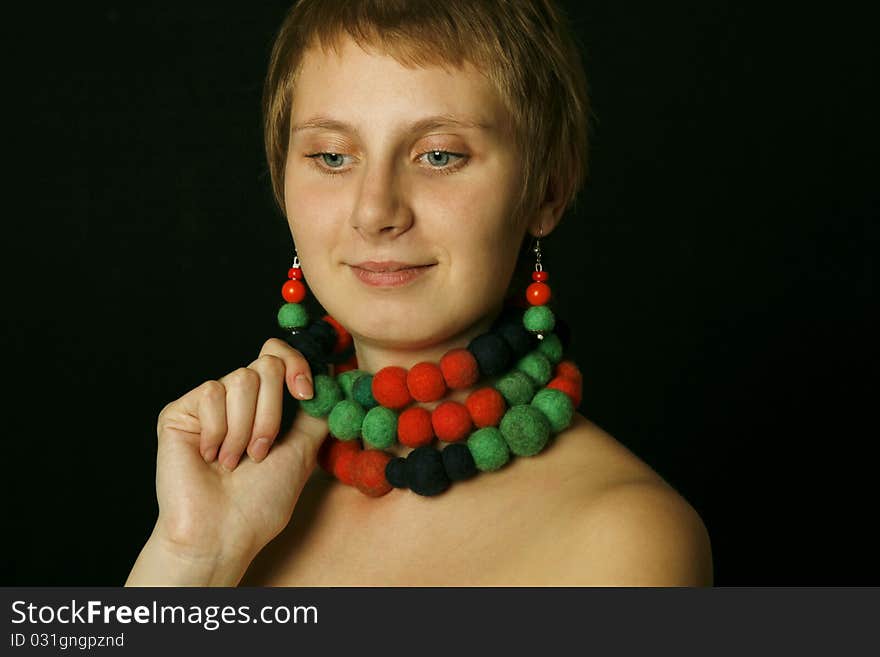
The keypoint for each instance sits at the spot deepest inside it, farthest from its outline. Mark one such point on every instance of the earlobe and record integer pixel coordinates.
(549, 214)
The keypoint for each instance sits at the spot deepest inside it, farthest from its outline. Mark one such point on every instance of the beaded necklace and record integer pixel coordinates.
(533, 399)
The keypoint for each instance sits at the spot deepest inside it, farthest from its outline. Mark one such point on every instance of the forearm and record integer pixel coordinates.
(159, 564)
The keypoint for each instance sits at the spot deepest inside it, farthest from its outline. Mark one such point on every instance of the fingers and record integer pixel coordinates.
(242, 411)
(298, 374)
(242, 389)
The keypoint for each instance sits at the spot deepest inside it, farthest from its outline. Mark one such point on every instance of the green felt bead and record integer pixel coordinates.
(537, 367)
(293, 315)
(346, 381)
(551, 347)
(516, 387)
(526, 430)
(557, 406)
(327, 395)
(489, 449)
(345, 420)
(362, 391)
(539, 319)
(379, 429)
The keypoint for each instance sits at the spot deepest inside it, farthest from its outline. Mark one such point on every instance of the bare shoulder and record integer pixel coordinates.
(625, 525)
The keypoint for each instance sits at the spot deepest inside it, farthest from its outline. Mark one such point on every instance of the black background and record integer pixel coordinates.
(718, 272)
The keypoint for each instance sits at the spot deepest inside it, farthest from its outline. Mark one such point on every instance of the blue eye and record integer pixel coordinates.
(443, 155)
(325, 156)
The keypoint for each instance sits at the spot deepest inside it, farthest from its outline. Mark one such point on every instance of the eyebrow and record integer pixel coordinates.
(427, 123)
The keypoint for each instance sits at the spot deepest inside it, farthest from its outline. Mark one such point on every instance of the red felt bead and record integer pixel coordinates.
(368, 472)
(451, 421)
(350, 364)
(330, 450)
(389, 387)
(343, 337)
(538, 294)
(486, 407)
(343, 468)
(459, 368)
(425, 382)
(569, 370)
(414, 427)
(540, 276)
(293, 291)
(569, 387)
(295, 273)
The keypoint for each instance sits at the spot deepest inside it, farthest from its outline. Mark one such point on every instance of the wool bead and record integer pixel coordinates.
(451, 421)
(525, 429)
(368, 472)
(569, 387)
(330, 450)
(536, 366)
(458, 462)
(292, 315)
(389, 387)
(350, 364)
(557, 406)
(491, 352)
(414, 427)
(345, 420)
(488, 449)
(538, 294)
(362, 391)
(516, 387)
(569, 370)
(539, 319)
(518, 339)
(323, 334)
(379, 428)
(293, 291)
(327, 394)
(486, 407)
(346, 381)
(425, 382)
(395, 472)
(425, 473)
(459, 368)
(307, 346)
(343, 468)
(343, 337)
(551, 348)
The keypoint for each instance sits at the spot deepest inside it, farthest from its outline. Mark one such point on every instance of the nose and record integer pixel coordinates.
(381, 210)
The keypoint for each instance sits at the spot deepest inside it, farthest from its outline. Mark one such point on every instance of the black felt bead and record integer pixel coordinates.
(395, 472)
(323, 334)
(425, 473)
(458, 462)
(520, 340)
(492, 353)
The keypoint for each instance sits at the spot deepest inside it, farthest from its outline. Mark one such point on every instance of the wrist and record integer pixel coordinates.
(163, 562)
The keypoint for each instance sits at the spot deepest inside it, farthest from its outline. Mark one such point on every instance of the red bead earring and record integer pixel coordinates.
(292, 315)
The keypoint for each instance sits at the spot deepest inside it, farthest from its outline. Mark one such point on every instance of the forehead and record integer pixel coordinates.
(375, 86)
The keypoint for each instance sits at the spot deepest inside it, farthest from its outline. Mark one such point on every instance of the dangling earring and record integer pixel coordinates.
(538, 319)
(292, 316)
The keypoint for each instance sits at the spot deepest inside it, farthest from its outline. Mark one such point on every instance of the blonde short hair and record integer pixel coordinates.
(524, 47)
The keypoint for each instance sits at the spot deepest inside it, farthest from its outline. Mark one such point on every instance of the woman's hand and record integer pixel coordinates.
(215, 503)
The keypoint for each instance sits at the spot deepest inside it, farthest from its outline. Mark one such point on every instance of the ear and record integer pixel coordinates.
(549, 213)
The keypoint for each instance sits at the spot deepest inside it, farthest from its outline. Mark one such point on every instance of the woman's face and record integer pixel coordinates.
(364, 182)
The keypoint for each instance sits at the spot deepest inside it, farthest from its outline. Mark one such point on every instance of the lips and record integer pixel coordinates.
(388, 265)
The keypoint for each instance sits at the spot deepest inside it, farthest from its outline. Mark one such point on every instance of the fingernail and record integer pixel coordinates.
(209, 454)
(303, 386)
(259, 449)
(230, 462)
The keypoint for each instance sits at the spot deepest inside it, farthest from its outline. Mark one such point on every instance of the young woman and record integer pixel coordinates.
(413, 146)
